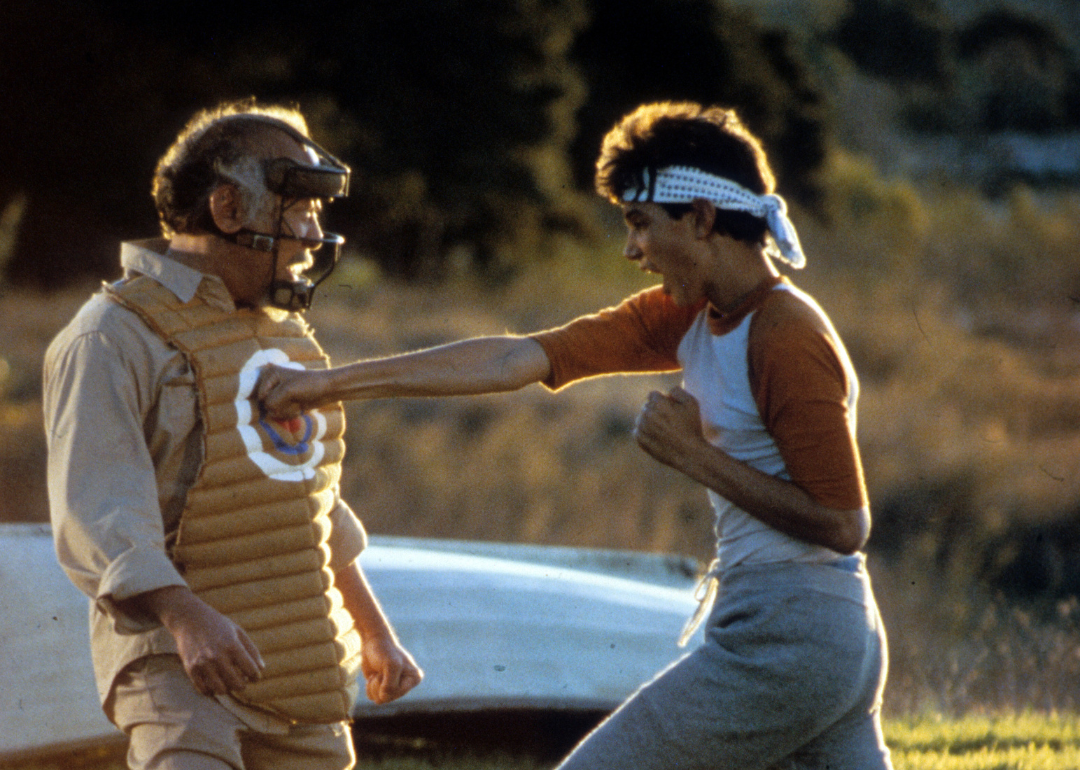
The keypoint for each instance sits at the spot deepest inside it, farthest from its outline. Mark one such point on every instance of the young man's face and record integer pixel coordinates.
(662, 245)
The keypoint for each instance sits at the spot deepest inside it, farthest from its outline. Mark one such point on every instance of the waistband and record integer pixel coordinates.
(844, 578)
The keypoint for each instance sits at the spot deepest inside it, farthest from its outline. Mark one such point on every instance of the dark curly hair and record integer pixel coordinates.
(713, 139)
(217, 145)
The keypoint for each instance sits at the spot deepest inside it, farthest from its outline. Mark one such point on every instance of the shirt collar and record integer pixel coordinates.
(153, 258)
(723, 322)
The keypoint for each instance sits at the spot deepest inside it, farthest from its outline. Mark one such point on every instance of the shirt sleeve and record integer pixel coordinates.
(103, 496)
(802, 390)
(641, 334)
(347, 536)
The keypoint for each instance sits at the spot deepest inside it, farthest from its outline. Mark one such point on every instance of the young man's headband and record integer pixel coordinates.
(684, 184)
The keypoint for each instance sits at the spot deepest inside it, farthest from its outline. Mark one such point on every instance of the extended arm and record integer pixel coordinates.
(669, 428)
(388, 669)
(480, 365)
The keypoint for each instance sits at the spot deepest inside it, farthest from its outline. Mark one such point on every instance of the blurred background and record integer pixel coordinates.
(930, 153)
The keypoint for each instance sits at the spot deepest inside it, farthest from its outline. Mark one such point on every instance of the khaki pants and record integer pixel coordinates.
(173, 727)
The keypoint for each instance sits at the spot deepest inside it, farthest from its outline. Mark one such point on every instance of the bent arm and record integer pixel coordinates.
(108, 528)
(776, 502)
(217, 654)
(669, 429)
(469, 367)
(389, 670)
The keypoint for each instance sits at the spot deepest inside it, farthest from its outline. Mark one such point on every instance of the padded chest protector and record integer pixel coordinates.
(253, 534)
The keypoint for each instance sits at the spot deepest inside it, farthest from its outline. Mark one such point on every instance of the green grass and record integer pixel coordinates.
(1026, 741)
(1018, 742)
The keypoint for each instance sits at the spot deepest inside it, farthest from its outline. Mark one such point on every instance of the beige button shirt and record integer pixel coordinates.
(125, 444)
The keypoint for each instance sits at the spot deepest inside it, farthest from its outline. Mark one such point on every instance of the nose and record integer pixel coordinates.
(309, 232)
(314, 229)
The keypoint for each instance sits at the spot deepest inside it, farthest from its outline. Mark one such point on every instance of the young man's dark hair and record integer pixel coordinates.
(665, 134)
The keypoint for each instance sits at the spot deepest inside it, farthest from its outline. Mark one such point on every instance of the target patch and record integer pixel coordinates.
(286, 451)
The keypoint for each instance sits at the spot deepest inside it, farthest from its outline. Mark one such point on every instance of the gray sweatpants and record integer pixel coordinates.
(790, 676)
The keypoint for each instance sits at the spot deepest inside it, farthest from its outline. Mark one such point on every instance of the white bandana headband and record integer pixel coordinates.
(683, 184)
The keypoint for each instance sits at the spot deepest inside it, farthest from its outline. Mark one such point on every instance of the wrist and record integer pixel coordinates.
(376, 632)
(173, 606)
(327, 389)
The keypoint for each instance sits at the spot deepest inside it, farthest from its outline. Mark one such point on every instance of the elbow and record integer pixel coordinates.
(852, 531)
(524, 364)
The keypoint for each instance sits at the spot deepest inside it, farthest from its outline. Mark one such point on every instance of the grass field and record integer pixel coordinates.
(1026, 741)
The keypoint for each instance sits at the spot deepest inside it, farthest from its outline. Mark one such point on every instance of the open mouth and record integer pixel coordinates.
(298, 267)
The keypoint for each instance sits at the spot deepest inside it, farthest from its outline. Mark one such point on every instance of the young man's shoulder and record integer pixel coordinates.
(789, 311)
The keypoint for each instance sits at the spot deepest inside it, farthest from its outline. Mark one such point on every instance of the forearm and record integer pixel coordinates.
(776, 502)
(170, 605)
(389, 670)
(669, 428)
(217, 654)
(480, 365)
(360, 602)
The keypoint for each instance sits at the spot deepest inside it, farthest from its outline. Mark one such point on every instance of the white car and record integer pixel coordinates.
(497, 628)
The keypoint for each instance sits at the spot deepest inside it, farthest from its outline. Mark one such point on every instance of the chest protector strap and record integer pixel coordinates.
(254, 531)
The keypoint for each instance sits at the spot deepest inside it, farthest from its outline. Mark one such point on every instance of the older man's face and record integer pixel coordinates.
(299, 222)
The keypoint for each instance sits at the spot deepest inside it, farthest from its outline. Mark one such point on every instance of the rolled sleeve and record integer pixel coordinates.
(106, 516)
(136, 571)
(348, 539)
(640, 335)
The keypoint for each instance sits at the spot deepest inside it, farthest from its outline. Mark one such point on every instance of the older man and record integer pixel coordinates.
(230, 620)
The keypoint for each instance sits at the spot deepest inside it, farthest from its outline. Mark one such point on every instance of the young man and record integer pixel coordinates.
(230, 619)
(793, 665)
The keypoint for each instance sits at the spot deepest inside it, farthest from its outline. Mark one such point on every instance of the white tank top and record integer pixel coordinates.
(716, 373)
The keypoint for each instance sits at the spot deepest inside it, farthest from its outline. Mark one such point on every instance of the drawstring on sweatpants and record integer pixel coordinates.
(705, 593)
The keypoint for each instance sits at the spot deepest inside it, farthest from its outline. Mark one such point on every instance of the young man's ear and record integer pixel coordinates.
(226, 207)
(704, 213)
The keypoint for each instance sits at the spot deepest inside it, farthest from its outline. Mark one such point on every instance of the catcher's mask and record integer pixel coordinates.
(327, 179)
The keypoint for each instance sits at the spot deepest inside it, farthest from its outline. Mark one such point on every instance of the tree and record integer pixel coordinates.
(1022, 73)
(437, 103)
(460, 117)
(902, 40)
(447, 99)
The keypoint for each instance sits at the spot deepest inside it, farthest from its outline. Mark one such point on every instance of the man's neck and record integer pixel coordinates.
(740, 271)
(215, 256)
(195, 251)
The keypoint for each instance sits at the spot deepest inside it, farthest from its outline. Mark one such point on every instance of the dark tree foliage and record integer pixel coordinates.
(92, 93)
(78, 128)
(433, 101)
(903, 40)
(1029, 77)
(699, 50)
(436, 103)
(445, 97)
